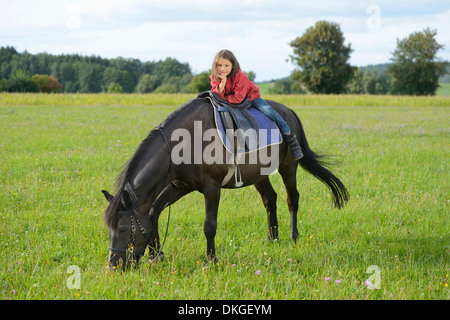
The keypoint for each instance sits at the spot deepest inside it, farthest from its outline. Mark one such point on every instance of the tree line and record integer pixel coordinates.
(320, 54)
(92, 74)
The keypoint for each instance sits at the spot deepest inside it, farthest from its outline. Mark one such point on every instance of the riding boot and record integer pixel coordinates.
(292, 142)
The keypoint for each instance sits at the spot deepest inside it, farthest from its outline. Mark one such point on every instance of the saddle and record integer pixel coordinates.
(242, 129)
(234, 117)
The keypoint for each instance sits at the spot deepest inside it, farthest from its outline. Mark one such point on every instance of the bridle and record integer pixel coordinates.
(133, 217)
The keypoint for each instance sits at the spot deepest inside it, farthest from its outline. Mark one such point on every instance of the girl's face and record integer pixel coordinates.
(224, 67)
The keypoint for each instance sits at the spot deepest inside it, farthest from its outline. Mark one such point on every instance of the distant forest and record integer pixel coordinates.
(88, 74)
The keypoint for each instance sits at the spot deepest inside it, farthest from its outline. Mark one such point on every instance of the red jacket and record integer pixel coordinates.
(237, 88)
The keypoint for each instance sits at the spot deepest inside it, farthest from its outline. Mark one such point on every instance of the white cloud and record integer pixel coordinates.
(23, 14)
(258, 32)
(377, 46)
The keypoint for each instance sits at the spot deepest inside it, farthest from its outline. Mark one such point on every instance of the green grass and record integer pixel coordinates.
(306, 100)
(444, 89)
(58, 151)
(264, 87)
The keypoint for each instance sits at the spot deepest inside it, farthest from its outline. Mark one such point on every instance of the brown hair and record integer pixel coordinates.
(225, 54)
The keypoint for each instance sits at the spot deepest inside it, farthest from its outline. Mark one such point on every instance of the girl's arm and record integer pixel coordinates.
(240, 86)
(240, 89)
(222, 84)
(219, 87)
(215, 85)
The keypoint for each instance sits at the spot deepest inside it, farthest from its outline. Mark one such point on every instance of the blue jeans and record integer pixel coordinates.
(262, 106)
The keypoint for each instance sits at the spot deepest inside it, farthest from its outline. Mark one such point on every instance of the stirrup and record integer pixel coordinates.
(237, 183)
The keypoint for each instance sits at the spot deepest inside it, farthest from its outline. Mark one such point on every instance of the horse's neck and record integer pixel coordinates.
(152, 173)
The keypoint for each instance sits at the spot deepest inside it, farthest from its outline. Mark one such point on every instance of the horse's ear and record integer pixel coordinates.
(108, 196)
(126, 199)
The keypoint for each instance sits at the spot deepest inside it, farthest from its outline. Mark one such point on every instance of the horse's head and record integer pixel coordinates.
(128, 237)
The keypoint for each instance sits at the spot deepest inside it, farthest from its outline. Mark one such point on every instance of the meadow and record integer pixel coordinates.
(58, 151)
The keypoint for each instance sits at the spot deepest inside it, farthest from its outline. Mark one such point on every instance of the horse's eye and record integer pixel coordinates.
(123, 229)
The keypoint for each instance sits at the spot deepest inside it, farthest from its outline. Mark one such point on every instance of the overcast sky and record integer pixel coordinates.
(257, 31)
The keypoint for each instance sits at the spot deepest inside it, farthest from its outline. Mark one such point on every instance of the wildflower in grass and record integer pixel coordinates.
(368, 283)
(338, 281)
(258, 272)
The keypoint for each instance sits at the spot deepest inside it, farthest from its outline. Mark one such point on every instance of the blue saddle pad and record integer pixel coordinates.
(269, 133)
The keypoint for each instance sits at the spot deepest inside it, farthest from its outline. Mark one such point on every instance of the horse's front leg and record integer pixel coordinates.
(211, 193)
(154, 244)
(168, 196)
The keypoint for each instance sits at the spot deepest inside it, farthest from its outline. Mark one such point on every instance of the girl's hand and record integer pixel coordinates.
(223, 82)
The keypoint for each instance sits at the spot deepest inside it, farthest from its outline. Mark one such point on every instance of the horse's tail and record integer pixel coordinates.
(315, 165)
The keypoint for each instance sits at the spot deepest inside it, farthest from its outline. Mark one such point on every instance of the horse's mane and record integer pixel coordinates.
(127, 172)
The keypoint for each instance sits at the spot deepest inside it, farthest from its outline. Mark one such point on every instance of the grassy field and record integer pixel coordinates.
(443, 90)
(58, 151)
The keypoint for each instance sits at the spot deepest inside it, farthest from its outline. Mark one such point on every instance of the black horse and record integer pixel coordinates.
(152, 180)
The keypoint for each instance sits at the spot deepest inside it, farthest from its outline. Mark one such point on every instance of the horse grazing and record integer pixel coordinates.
(153, 179)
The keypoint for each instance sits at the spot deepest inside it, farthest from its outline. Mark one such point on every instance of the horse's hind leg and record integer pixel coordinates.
(211, 193)
(288, 173)
(269, 198)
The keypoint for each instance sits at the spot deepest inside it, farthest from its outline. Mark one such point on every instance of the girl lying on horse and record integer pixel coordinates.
(233, 85)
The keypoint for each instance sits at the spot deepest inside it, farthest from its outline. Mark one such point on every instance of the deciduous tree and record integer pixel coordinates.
(415, 69)
(322, 58)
